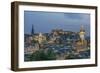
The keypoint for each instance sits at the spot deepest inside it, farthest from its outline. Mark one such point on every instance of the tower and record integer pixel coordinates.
(32, 31)
(40, 38)
(82, 34)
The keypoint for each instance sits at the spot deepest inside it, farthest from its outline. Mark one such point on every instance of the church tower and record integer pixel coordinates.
(40, 38)
(82, 34)
(32, 31)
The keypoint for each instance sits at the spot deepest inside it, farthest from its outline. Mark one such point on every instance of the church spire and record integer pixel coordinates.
(82, 28)
(32, 31)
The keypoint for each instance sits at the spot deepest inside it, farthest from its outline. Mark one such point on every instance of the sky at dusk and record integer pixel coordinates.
(44, 22)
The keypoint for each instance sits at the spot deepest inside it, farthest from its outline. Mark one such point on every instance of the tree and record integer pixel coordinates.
(50, 54)
(43, 55)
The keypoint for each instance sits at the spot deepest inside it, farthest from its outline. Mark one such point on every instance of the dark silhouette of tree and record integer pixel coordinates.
(43, 55)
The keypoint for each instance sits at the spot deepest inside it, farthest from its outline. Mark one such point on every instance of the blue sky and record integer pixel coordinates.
(44, 22)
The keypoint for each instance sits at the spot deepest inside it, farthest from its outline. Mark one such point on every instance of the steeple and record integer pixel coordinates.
(82, 29)
(82, 34)
(32, 31)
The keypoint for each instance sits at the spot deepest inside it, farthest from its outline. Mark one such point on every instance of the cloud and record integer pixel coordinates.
(45, 21)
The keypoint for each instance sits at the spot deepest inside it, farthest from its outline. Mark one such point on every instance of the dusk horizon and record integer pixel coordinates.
(45, 22)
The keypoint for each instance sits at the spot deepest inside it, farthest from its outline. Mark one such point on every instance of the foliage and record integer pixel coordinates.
(43, 55)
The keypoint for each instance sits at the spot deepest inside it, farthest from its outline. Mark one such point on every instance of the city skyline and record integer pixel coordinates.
(44, 22)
